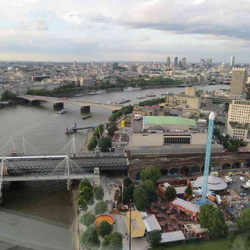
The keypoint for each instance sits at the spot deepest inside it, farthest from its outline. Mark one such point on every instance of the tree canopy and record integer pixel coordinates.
(127, 181)
(154, 238)
(112, 242)
(104, 228)
(243, 220)
(100, 207)
(170, 193)
(89, 238)
(141, 199)
(98, 193)
(104, 144)
(84, 183)
(151, 173)
(128, 193)
(87, 219)
(86, 193)
(189, 191)
(7, 95)
(112, 128)
(212, 218)
(151, 190)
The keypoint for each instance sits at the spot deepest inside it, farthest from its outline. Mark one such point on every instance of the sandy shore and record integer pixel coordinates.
(88, 137)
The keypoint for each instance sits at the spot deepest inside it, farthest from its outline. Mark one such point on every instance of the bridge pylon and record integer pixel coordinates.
(1, 179)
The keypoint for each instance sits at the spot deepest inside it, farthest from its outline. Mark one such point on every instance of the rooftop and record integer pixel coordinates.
(155, 120)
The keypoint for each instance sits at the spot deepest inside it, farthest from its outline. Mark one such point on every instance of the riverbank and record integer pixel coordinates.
(88, 138)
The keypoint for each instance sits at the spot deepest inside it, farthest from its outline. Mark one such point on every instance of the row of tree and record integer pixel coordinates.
(7, 96)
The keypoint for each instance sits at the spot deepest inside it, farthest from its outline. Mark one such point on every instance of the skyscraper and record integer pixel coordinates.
(168, 62)
(176, 61)
(238, 82)
(184, 62)
(232, 61)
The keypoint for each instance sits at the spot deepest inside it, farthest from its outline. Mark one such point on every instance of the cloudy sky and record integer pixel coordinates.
(134, 30)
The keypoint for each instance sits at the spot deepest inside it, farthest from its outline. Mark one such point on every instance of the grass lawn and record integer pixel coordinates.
(206, 245)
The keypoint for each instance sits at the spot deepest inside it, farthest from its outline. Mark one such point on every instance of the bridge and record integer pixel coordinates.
(59, 102)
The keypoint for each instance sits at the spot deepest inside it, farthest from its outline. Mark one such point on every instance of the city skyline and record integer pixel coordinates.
(35, 30)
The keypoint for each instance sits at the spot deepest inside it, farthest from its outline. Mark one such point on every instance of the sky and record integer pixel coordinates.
(124, 30)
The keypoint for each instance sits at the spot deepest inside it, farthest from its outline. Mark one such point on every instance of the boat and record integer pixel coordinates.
(140, 97)
(129, 89)
(151, 95)
(164, 94)
(62, 111)
(185, 85)
(121, 101)
(127, 100)
(92, 93)
(86, 117)
(101, 91)
(79, 95)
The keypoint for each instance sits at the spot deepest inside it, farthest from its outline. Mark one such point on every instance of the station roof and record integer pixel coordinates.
(137, 224)
(156, 120)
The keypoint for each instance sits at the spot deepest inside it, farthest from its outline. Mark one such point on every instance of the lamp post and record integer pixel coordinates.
(130, 236)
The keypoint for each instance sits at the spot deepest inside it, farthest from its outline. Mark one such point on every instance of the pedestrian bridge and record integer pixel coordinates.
(54, 100)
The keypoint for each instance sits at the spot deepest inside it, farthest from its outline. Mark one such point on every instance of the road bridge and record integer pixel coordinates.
(61, 101)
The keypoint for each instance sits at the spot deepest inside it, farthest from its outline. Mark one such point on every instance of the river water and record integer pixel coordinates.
(44, 132)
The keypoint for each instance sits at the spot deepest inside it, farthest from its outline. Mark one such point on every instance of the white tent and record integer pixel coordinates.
(172, 236)
(151, 223)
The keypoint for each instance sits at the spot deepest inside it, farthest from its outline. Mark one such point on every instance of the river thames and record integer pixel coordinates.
(44, 131)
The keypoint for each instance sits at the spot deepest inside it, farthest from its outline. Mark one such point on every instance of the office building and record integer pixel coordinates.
(238, 122)
(176, 61)
(238, 82)
(232, 61)
(168, 62)
(184, 62)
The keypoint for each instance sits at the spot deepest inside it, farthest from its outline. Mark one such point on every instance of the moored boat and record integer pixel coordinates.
(151, 95)
(62, 111)
(131, 89)
(140, 97)
(86, 117)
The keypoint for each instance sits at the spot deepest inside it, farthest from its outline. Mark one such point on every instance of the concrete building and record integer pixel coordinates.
(190, 91)
(238, 83)
(176, 61)
(238, 123)
(157, 131)
(232, 60)
(184, 62)
(168, 62)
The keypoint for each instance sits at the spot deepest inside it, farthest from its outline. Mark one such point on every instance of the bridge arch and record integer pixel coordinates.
(236, 165)
(174, 171)
(185, 171)
(138, 176)
(226, 166)
(195, 169)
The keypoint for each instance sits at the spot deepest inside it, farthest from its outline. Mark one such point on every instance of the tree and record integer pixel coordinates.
(151, 173)
(98, 193)
(112, 242)
(127, 181)
(140, 198)
(243, 220)
(104, 228)
(82, 203)
(92, 144)
(128, 193)
(170, 193)
(154, 238)
(188, 191)
(213, 219)
(84, 183)
(89, 239)
(100, 207)
(104, 144)
(112, 128)
(216, 132)
(86, 193)
(151, 190)
(87, 219)
(7, 95)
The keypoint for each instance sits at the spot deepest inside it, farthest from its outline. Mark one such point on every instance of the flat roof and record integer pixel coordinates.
(172, 236)
(151, 223)
(214, 183)
(186, 204)
(156, 120)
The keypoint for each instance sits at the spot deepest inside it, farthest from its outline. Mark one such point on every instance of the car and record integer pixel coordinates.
(242, 178)
(64, 98)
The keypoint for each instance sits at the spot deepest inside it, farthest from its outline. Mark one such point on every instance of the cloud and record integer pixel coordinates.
(40, 24)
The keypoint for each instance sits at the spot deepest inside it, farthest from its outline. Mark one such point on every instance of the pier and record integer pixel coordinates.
(73, 129)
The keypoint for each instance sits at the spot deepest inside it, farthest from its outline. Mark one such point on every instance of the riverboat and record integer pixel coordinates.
(62, 111)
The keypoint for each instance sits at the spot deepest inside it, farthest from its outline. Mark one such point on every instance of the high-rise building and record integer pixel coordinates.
(168, 62)
(184, 62)
(238, 122)
(210, 60)
(238, 82)
(176, 61)
(232, 61)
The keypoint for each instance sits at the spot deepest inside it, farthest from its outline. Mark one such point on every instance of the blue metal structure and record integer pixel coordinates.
(207, 158)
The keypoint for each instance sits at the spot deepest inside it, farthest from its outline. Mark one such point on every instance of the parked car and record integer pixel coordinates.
(242, 178)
